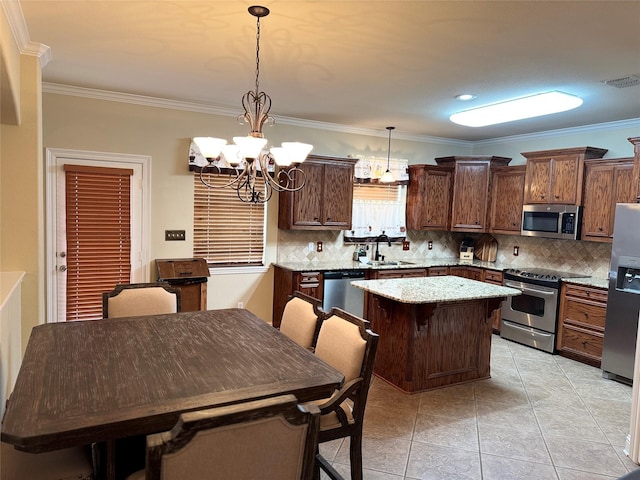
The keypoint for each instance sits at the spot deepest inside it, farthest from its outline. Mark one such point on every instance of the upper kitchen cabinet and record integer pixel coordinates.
(555, 176)
(507, 192)
(636, 165)
(471, 183)
(606, 182)
(326, 200)
(429, 197)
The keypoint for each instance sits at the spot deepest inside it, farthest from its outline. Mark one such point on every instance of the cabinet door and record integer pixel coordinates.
(306, 203)
(471, 184)
(564, 179)
(338, 196)
(428, 198)
(472, 273)
(598, 195)
(604, 186)
(507, 191)
(537, 180)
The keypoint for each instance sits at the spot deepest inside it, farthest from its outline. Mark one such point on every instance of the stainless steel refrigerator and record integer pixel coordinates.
(623, 303)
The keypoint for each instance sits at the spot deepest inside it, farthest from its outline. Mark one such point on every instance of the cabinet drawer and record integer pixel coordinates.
(401, 273)
(584, 312)
(583, 342)
(491, 276)
(309, 279)
(437, 271)
(584, 291)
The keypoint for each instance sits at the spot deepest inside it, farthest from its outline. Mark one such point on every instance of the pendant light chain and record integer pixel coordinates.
(257, 55)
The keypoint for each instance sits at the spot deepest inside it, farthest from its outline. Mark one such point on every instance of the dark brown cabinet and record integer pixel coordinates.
(495, 278)
(285, 282)
(397, 273)
(472, 273)
(437, 271)
(606, 182)
(581, 322)
(471, 184)
(326, 200)
(555, 176)
(507, 193)
(429, 197)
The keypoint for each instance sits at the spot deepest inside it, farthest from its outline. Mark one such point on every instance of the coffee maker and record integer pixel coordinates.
(466, 248)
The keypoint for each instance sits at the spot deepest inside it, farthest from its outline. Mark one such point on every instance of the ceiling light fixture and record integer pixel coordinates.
(387, 177)
(253, 172)
(465, 97)
(518, 109)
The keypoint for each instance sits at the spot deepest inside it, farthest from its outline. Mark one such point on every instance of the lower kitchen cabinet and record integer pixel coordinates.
(437, 271)
(472, 273)
(397, 273)
(286, 282)
(581, 323)
(496, 278)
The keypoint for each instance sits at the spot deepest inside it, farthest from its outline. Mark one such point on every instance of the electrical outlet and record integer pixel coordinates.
(174, 235)
(516, 251)
(311, 246)
(319, 246)
(405, 245)
(240, 304)
(430, 245)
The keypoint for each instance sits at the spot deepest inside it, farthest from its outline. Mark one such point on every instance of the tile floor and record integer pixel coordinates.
(539, 417)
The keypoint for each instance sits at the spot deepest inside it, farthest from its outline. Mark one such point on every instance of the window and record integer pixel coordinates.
(226, 231)
(98, 236)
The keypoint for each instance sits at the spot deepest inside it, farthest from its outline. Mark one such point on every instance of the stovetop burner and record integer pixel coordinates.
(540, 275)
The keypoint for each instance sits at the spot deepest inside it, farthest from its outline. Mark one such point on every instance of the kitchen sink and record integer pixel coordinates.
(382, 263)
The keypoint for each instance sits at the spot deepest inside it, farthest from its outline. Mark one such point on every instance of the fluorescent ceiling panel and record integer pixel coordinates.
(518, 109)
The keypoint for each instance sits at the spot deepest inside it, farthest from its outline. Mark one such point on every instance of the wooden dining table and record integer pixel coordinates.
(101, 380)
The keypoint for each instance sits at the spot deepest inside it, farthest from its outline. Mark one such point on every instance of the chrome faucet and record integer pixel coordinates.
(378, 239)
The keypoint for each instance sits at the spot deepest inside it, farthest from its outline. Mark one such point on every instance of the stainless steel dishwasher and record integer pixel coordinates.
(338, 291)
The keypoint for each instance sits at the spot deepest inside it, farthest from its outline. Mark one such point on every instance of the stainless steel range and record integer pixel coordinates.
(532, 318)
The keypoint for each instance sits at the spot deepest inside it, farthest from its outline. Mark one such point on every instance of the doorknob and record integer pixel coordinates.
(63, 254)
(62, 268)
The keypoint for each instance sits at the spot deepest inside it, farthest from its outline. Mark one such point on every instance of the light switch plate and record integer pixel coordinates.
(174, 235)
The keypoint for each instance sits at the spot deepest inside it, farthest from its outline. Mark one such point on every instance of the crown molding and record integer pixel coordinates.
(15, 18)
(232, 112)
(633, 122)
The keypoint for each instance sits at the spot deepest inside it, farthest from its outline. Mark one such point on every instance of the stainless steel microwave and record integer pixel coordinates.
(552, 221)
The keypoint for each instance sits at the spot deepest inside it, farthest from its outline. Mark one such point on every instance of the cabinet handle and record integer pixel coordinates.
(599, 229)
(542, 195)
(315, 219)
(584, 343)
(328, 219)
(557, 196)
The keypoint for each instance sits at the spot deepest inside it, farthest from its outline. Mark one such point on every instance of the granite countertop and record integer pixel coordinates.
(433, 289)
(597, 282)
(414, 263)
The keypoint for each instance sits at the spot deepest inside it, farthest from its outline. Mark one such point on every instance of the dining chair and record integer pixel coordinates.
(66, 464)
(135, 299)
(269, 438)
(346, 342)
(301, 319)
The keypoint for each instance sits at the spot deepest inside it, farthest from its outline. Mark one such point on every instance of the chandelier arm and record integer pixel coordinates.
(290, 176)
(239, 175)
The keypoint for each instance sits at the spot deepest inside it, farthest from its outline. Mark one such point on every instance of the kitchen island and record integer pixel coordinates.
(434, 331)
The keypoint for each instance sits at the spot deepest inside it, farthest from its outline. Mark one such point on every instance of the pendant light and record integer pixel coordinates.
(388, 176)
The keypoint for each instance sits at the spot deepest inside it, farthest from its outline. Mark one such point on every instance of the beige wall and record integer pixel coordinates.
(22, 191)
(77, 123)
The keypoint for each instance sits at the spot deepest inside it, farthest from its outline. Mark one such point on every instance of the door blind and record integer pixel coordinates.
(226, 231)
(98, 255)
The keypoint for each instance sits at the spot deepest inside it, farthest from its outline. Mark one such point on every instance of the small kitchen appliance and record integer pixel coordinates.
(551, 221)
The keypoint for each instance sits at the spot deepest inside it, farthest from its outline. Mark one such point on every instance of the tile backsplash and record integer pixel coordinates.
(589, 258)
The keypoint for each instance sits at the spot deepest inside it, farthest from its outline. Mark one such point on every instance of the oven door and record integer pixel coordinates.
(536, 307)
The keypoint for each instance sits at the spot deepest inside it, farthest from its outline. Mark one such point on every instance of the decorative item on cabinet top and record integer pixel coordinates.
(369, 170)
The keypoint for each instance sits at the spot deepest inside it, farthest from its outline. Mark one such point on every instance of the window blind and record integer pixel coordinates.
(226, 231)
(98, 256)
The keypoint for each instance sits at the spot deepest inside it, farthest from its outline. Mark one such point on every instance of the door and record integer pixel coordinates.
(136, 238)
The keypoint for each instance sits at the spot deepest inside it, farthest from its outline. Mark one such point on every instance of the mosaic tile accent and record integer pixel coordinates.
(589, 258)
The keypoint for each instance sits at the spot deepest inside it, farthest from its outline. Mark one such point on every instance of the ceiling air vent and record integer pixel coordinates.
(624, 82)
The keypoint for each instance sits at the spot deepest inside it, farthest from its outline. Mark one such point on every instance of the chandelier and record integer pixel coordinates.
(246, 166)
